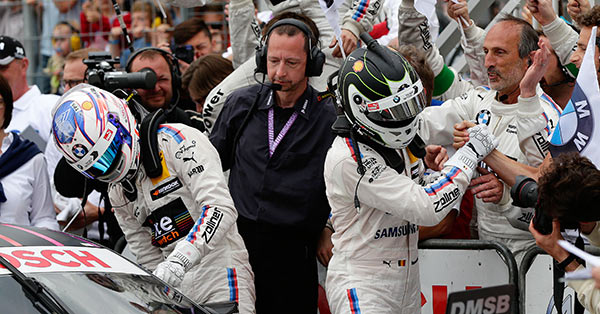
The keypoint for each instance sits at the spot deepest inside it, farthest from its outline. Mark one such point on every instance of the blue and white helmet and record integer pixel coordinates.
(96, 133)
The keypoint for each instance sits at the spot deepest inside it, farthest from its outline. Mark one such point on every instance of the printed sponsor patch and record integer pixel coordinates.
(165, 189)
(169, 223)
(446, 199)
(87, 105)
(358, 66)
(196, 170)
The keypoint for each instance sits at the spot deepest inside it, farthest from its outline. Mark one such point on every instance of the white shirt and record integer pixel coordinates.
(33, 109)
(27, 190)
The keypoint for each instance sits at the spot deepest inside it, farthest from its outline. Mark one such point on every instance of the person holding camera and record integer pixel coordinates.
(567, 188)
(167, 92)
(179, 222)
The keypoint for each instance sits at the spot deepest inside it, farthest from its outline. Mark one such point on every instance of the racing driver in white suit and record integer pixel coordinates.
(185, 215)
(376, 187)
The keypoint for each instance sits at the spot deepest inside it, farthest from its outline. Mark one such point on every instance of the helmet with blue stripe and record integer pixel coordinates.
(96, 133)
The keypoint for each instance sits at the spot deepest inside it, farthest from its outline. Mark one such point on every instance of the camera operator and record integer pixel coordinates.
(167, 92)
(567, 189)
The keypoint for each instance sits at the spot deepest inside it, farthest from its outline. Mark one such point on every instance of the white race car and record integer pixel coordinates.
(45, 271)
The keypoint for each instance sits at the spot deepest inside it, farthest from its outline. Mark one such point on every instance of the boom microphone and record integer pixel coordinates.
(273, 86)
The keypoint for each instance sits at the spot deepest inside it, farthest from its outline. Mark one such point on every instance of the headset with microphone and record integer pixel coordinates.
(315, 57)
(314, 67)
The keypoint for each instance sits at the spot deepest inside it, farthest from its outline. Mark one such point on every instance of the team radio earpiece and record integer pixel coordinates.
(74, 40)
(315, 58)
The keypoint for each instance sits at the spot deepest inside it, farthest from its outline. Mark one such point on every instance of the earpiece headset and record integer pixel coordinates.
(74, 40)
(315, 57)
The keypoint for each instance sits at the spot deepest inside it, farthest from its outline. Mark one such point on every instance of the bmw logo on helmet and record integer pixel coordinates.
(79, 150)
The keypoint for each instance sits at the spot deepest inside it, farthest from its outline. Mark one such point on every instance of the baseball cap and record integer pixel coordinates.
(10, 49)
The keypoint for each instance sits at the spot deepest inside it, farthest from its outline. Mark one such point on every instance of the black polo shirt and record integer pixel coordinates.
(287, 188)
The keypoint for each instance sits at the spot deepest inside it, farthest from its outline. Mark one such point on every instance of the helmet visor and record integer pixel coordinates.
(109, 160)
(399, 109)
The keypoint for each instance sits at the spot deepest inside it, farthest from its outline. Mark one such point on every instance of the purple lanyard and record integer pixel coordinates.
(273, 143)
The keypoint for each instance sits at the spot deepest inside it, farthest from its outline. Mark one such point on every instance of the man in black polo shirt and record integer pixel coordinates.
(274, 139)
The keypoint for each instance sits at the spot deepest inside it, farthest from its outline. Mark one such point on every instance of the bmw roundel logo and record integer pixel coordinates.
(396, 99)
(483, 117)
(79, 150)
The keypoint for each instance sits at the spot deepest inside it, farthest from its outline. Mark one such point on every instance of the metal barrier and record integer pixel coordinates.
(501, 249)
(526, 263)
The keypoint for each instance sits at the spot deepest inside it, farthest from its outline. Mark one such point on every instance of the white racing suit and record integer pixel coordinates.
(528, 134)
(188, 202)
(374, 268)
(511, 124)
(357, 16)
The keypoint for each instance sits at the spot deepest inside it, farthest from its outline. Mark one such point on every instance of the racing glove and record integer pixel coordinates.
(184, 256)
(481, 143)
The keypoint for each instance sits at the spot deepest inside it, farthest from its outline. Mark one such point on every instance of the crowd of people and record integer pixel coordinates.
(243, 168)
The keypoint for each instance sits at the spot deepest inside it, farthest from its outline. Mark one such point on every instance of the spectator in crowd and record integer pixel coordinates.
(276, 181)
(65, 39)
(141, 24)
(194, 32)
(32, 109)
(510, 49)
(181, 224)
(74, 68)
(25, 197)
(203, 75)
(12, 20)
(214, 17)
(54, 12)
(95, 26)
(566, 189)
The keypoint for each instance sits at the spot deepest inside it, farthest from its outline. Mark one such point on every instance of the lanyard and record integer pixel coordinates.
(274, 142)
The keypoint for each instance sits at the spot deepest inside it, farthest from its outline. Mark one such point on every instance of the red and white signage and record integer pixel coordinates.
(37, 259)
(445, 271)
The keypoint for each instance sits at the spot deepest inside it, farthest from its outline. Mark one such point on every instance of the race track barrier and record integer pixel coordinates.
(456, 265)
(535, 283)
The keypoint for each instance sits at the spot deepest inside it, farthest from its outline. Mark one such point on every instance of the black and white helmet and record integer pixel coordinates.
(382, 95)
